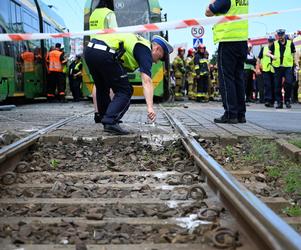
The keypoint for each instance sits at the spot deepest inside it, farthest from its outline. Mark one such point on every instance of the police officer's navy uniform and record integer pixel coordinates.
(232, 52)
(283, 65)
(109, 65)
(268, 76)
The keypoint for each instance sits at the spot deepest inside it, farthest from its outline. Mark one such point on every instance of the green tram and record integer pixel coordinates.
(128, 13)
(22, 64)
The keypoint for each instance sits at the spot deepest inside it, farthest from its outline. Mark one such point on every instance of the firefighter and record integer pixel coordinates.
(56, 60)
(102, 17)
(202, 73)
(178, 66)
(190, 74)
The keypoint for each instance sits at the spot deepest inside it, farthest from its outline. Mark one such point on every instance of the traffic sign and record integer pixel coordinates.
(197, 42)
(198, 31)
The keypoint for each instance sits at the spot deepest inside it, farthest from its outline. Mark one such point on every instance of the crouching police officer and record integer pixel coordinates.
(109, 58)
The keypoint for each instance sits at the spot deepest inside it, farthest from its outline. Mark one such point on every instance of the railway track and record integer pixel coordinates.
(134, 194)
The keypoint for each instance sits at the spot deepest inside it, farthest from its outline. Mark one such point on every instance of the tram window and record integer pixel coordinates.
(4, 10)
(16, 18)
(30, 22)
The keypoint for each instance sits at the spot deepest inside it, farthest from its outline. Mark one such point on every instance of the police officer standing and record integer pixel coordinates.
(103, 17)
(232, 53)
(75, 77)
(265, 62)
(283, 60)
(109, 58)
(249, 70)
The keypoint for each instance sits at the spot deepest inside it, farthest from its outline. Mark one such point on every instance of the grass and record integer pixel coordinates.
(229, 151)
(54, 163)
(293, 211)
(274, 172)
(276, 164)
(259, 149)
(296, 142)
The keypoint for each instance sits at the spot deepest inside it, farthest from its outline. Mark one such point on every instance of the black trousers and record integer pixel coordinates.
(269, 87)
(231, 58)
(202, 84)
(248, 78)
(56, 81)
(75, 87)
(108, 73)
(287, 74)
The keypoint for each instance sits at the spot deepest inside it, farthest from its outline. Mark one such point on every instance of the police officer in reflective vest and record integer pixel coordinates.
(103, 17)
(75, 77)
(283, 60)
(265, 62)
(232, 52)
(109, 58)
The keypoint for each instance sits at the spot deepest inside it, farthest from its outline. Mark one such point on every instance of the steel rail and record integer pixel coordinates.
(271, 229)
(20, 145)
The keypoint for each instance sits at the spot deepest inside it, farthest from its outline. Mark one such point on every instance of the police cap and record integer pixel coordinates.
(271, 39)
(167, 48)
(280, 32)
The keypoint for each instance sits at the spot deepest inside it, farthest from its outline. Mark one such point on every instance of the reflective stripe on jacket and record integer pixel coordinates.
(54, 61)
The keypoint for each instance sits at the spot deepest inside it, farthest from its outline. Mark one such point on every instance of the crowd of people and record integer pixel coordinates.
(59, 69)
(237, 76)
(194, 76)
(266, 76)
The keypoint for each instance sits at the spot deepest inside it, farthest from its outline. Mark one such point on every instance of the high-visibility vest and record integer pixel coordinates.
(54, 61)
(129, 43)
(288, 59)
(266, 61)
(77, 66)
(28, 60)
(233, 31)
(99, 20)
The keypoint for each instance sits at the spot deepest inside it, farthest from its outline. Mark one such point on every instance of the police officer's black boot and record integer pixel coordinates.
(288, 105)
(279, 105)
(115, 129)
(97, 117)
(224, 119)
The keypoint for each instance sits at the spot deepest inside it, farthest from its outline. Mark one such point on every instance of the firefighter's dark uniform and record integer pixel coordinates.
(202, 76)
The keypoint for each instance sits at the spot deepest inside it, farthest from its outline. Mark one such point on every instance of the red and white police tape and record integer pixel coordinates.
(151, 27)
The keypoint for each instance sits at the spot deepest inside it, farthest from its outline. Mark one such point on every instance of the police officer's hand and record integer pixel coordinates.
(151, 115)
